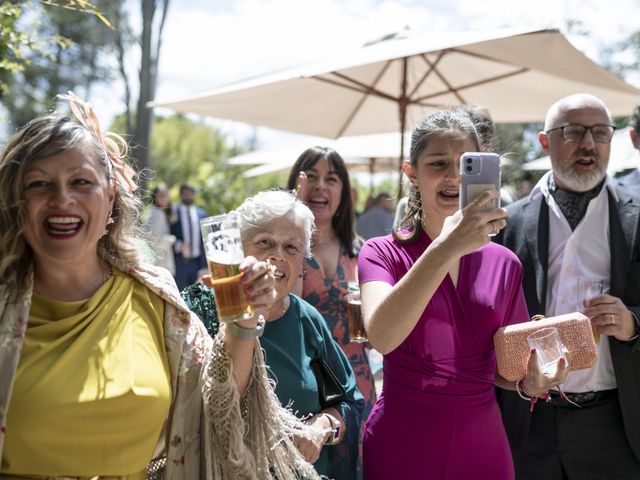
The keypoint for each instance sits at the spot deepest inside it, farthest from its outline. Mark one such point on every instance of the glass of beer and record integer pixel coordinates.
(223, 248)
(357, 333)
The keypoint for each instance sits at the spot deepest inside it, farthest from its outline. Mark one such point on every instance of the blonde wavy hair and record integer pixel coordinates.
(46, 137)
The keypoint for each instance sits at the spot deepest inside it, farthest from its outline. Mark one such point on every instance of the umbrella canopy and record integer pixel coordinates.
(388, 85)
(354, 165)
(623, 155)
(363, 153)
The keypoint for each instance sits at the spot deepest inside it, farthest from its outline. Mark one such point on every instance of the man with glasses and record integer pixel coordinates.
(578, 225)
(633, 178)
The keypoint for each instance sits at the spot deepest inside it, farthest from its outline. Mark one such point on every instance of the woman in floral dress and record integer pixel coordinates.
(321, 180)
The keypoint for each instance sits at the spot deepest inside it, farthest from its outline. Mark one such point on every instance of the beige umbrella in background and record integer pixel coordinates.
(388, 85)
(363, 153)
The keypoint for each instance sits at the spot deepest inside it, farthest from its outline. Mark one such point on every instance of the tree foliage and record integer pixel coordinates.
(83, 55)
(186, 151)
(55, 46)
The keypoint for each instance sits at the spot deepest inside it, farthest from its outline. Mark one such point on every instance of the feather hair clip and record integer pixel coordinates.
(114, 145)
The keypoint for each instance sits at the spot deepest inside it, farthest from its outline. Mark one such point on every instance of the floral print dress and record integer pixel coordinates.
(328, 295)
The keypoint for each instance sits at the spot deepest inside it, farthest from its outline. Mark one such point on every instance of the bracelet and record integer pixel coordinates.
(522, 393)
(335, 429)
(532, 399)
(243, 333)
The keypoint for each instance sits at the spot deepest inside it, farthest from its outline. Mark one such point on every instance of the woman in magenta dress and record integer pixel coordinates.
(433, 295)
(321, 180)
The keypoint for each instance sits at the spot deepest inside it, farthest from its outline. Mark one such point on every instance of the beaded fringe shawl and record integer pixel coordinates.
(249, 438)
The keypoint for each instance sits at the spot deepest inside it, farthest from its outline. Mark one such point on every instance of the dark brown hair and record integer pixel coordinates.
(441, 122)
(342, 221)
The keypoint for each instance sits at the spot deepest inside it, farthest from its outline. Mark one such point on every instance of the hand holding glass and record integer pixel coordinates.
(589, 288)
(549, 349)
(223, 248)
(357, 332)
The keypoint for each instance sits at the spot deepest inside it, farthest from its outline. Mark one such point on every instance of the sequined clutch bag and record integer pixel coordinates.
(512, 349)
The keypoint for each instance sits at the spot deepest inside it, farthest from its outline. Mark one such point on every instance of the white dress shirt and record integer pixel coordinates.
(583, 252)
(190, 228)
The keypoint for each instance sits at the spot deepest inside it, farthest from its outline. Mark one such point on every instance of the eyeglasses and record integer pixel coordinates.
(575, 133)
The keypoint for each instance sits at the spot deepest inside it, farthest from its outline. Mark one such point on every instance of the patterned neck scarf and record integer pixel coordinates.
(573, 205)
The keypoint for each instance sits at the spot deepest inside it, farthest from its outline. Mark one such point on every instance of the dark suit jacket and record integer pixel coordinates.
(176, 229)
(527, 234)
(631, 179)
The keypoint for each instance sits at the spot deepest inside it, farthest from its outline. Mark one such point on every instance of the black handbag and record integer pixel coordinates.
(330, 389)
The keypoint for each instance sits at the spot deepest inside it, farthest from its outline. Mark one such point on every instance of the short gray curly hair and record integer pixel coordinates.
(257, 211)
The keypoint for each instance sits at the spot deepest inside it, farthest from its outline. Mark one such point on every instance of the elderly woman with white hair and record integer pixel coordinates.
(276, 227)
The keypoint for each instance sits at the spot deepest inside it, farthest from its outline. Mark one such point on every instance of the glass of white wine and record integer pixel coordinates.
(589, 288)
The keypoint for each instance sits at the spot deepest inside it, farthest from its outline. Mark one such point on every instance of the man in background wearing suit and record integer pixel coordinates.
(577, 223)
(189, 249)
(633, 179)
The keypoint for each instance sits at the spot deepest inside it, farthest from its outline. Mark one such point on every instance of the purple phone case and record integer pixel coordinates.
(485, 175)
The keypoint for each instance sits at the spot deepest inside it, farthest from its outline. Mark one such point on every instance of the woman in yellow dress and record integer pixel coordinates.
(103, 369)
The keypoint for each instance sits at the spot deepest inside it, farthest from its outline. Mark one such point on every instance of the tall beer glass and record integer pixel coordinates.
(223, 248)
(357, 332)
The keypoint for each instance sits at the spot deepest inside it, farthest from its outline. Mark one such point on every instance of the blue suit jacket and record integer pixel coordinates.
(176, 229)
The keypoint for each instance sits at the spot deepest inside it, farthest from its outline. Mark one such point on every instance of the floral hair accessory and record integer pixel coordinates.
(114, 145)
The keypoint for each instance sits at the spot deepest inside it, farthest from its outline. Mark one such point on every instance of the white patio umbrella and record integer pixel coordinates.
(387, 86)
(623, 155)
(362, 153)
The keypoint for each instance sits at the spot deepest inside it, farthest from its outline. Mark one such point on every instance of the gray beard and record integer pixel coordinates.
(579, 182)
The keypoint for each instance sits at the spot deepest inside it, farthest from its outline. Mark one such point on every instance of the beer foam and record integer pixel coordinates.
(224, 247)
(225, 258)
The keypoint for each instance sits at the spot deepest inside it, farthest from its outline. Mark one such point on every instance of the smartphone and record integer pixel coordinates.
(479, 172)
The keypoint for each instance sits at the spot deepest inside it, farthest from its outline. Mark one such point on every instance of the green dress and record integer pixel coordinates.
(291, 343)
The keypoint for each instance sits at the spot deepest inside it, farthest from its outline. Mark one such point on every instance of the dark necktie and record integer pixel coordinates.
(192, 233)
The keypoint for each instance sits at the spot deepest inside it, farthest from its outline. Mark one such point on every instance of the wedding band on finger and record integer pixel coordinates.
(613, 319)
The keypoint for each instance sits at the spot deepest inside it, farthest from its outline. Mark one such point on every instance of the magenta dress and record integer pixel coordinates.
(437, 416)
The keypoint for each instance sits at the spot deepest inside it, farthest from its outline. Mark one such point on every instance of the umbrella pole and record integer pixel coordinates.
(402, 104)
(372, 169)
(401, 154)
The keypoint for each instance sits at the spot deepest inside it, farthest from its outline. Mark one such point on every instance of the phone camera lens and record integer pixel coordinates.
(469, 168)
(469, 160)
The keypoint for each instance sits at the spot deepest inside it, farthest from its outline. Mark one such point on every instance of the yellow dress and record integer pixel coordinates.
(92, 389)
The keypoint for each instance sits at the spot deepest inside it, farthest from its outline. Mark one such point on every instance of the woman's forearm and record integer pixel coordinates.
(241, 353)
(391, 312)
(503, 383)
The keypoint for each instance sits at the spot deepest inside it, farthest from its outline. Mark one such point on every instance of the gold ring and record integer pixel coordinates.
(613, 319)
